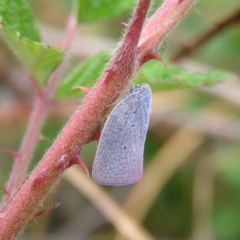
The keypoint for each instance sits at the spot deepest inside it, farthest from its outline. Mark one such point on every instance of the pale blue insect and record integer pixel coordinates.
(119, 157)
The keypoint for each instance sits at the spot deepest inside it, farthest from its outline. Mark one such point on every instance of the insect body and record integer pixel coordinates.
(119, 157)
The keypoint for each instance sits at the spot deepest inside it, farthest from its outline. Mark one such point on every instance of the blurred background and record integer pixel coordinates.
(191, 183)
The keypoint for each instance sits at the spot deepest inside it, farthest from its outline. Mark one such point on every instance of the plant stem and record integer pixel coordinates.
(38, 116)
(76, 133)
(123, 65)
(195, 45)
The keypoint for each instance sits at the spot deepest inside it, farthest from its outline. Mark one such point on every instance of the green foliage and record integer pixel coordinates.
(154, 73)
(85, 74)
(18, 30)
(18, 16)
(39, 59)
(226, 224)
(173, 76)
(228, 164)
(226, 219)
(223, 52)
(97, 10)
(170, 214)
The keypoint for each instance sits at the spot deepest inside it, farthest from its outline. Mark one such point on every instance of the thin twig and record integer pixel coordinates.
(38, 116)
(187, 50)
(203, 195)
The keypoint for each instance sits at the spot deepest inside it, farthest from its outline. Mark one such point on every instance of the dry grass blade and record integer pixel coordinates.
(175, 152)
(125, 225)
(203, 194)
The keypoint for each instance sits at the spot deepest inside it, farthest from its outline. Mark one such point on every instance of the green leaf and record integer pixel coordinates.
(171, 77)
(97, 10)
(17, 15)
(85, 74)
(39, 59)
(153, 73)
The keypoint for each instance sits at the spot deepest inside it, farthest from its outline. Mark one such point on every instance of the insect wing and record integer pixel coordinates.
(119, 157)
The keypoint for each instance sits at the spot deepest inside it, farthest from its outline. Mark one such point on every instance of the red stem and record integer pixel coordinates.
(27, 147)
(83, 124)
(76, 133)
(36, 121)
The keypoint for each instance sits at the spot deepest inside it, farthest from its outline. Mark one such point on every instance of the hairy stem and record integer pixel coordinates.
(38, 116)
(122, 67)
(76, 133)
